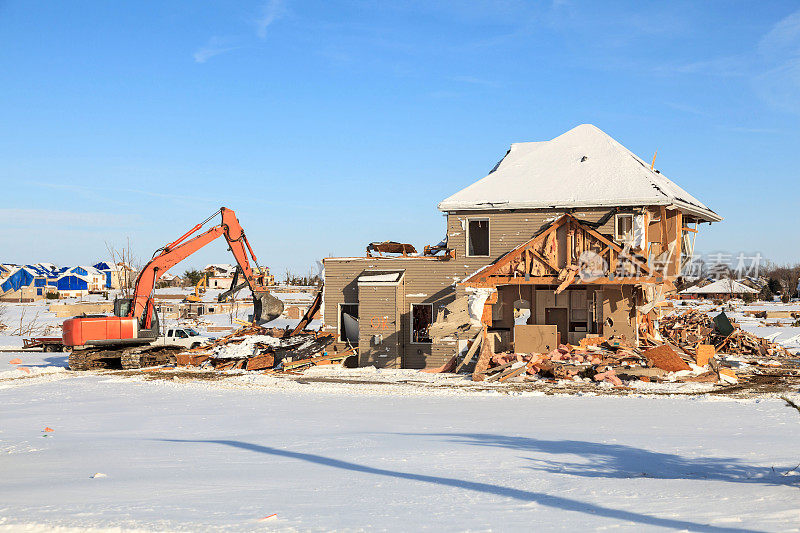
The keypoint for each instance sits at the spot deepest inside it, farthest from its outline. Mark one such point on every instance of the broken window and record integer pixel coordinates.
(624, 228)
(478, 237)
(421, 319)
(348, 323)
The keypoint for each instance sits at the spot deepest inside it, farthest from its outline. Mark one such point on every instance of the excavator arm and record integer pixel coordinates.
(175, 252)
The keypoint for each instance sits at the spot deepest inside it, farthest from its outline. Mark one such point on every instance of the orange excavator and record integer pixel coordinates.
(123, 340)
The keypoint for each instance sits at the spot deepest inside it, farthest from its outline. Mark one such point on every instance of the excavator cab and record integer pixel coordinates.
(122, 308)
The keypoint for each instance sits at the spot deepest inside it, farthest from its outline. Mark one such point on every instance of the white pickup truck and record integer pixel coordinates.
(178, 336)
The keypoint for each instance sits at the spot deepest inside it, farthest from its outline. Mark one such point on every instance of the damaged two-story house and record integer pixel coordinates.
(566, 238)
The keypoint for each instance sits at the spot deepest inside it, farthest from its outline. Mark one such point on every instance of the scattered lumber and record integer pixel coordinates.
(476, 342)
(719, 351)
(253, 347)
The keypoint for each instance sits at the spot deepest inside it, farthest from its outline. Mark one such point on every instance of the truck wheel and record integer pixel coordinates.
(195, 345)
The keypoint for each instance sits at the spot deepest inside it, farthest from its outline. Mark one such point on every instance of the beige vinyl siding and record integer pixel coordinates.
(378, 315)
(426, 281)
(509, 229)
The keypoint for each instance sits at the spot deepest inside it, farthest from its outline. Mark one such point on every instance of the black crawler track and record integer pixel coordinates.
(123, 358)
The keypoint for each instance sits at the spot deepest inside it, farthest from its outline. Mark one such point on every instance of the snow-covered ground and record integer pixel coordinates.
(362, 449)
(199, 456)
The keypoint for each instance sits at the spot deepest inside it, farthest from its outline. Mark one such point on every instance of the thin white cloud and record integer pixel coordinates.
(270, 12)
(741, 129)
(44, 217)
(472, 80)
(126, 191)
(736, 65)
(214, 47)
(779, 84)
(687, 109)
(783, 38)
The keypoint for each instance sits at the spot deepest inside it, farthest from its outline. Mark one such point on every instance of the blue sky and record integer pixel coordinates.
(327, 125)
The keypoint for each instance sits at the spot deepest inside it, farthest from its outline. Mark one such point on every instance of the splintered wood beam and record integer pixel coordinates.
(676, 261)
(526, 260)
(494, 281)
(570, 243)
(614, 246)
(690, 230)
(476, 342)
(547, 263)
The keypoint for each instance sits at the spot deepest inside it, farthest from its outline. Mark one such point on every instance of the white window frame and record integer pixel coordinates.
(617, 217)
(411, 323)
(339, 319)
(488, 236)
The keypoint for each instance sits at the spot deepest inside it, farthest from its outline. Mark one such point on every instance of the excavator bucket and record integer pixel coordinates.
(266, 307)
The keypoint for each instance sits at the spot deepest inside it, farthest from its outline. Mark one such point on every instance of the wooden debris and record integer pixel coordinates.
(476, 342)
(665, 358)
(260, 362)
(449, 366)
(704, 354)
(484, 360)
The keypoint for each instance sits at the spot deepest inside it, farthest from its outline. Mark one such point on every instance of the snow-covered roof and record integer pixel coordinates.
(39, 271)
(90, 270)
(721, 286)
(583, 167)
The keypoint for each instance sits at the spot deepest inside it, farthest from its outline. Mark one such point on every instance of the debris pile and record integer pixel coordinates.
(690, 347)
(267, 349)
(693, 328)
(595, 360)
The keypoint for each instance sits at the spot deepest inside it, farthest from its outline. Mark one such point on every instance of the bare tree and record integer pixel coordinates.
(27, 327)
(128, 264)
(783, 279)
(233, 310)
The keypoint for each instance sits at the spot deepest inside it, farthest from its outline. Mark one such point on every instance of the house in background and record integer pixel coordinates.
(170, 280)
(220, 275)
(722, 289)
(79, 281)
(118, 275)
(571, 237)
(26, 282)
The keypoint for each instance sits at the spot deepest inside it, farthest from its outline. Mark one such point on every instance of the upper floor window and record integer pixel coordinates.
(623, 228)
(478, 237)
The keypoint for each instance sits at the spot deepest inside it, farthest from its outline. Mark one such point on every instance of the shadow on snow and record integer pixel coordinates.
(558, 502)
(622, 461)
